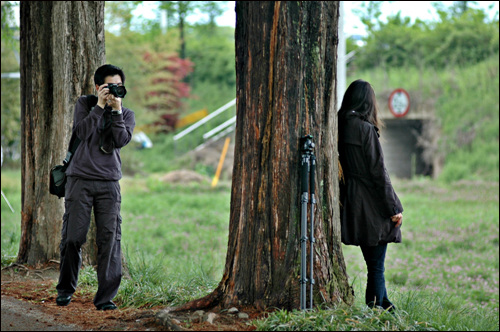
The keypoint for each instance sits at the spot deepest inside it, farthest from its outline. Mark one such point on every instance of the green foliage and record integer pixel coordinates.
(464, 38)
(458, 38)
(469, 114)
(213, 52)
(10, 100)
(8, 25)
(166, 88)
(180, 10)
(209, 48)
(11, 117)
(118, 14)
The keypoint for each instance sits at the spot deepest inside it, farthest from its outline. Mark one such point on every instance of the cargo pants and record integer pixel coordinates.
(105, 198)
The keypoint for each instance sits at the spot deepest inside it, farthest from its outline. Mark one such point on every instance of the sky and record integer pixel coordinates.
(352, 24)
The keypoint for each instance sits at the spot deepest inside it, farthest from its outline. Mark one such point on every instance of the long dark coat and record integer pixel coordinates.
(367, 197)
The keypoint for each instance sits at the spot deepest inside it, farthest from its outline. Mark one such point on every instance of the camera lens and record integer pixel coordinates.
(120, 91)
(117, 90)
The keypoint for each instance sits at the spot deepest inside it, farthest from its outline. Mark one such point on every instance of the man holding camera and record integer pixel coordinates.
(104, 126)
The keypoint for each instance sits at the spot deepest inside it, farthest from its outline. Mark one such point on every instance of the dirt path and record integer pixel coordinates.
(18, 315)
(29, 304)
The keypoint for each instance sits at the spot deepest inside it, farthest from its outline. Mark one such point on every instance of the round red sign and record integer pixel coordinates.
(399, 102)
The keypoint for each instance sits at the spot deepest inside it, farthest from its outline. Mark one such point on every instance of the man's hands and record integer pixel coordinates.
(398, 219)
(104, 97)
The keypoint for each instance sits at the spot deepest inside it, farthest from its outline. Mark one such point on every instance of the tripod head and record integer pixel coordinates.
(306, 144)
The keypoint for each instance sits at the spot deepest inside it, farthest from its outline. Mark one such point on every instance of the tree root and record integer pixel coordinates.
(207, 302)
(14, 265)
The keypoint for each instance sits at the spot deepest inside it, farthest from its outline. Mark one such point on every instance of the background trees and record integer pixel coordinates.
(208, 48)
(462, 35)
(10, 100)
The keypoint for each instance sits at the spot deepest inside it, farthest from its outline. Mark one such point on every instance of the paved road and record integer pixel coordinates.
(19, 315)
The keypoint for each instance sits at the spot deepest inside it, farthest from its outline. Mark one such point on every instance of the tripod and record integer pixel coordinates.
(308, 170)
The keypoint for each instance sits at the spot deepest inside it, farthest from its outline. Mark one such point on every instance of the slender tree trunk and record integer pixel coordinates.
(183, 40)
(285, 65)
(62, 43)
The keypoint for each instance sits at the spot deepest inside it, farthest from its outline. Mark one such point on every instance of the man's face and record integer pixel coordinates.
(111, 80)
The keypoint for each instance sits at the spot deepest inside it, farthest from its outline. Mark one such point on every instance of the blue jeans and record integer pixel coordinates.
(376, 293)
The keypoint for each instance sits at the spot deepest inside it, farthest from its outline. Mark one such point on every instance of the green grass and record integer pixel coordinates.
(445, 272)
(444, 276)
(11, 222)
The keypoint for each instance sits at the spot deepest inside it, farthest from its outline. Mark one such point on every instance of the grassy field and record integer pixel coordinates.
(444, 276)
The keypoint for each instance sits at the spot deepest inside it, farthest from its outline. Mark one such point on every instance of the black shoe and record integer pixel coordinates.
(107, 306)
(387, 305)
(63, 300)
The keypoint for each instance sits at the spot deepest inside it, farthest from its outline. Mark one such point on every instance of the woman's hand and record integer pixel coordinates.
(398, 219)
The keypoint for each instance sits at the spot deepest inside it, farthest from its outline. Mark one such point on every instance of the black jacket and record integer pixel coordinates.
(89, 162)
(367, 197)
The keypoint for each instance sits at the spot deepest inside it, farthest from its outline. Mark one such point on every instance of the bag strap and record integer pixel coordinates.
(75, 141)
(73, 145)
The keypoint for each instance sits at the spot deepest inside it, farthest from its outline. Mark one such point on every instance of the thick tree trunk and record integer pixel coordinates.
(285, 65)
(62, 43)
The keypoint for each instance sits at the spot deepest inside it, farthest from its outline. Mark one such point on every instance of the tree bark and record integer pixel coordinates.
(285, 66)
(62, 43)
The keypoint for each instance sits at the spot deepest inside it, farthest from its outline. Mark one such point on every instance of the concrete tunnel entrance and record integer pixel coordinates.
(408, 137)
(402, 154)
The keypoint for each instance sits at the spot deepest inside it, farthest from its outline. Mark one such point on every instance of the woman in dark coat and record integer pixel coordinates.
(371, 213)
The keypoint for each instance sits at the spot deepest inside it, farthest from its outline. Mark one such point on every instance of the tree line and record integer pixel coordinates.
(201, 56)
(462, 35)
(201, 76)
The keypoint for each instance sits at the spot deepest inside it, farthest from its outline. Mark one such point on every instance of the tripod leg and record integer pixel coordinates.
(311, 237)
(303, 226)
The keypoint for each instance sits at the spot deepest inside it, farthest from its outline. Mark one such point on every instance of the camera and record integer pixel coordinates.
(117, 90)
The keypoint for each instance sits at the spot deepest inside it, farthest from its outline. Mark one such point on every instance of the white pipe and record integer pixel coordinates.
(204, 120)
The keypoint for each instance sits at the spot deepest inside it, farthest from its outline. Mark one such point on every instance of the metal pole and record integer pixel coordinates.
(303, 226)
(306, 147)
(311, 237)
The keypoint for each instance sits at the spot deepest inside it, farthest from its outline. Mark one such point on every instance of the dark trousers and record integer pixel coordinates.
(105, 198)
(376, 293)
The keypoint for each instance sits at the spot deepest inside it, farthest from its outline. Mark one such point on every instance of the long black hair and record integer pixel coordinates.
(360, 98)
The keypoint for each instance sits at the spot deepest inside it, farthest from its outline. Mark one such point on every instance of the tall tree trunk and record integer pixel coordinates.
(62, 43)
(183, 40)
(285, 66)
